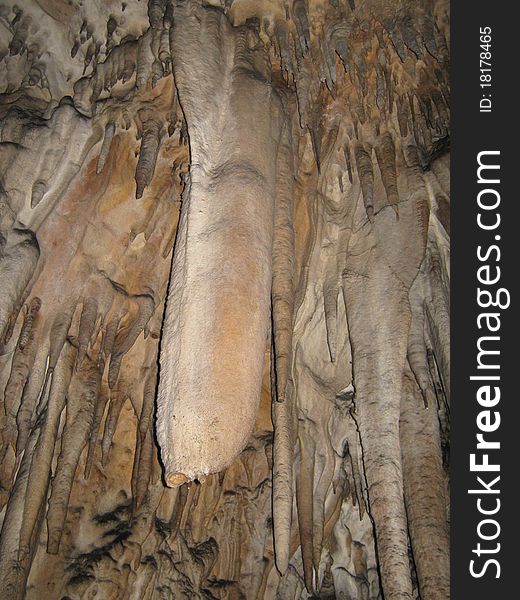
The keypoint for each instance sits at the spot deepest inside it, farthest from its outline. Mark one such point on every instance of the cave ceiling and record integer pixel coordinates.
(224, 299)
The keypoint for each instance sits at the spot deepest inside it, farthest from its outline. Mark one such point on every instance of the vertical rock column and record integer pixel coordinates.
(217, 312)
(383, 261)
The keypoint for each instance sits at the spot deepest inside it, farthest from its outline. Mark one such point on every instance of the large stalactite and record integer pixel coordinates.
(217, 314)
(224, 299)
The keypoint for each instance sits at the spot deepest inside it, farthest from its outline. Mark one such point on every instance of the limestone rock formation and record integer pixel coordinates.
(224, 299)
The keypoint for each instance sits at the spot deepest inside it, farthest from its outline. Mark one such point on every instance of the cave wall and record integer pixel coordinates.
(224, 309)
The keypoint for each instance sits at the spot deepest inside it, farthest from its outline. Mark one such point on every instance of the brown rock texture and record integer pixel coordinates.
(224, 299)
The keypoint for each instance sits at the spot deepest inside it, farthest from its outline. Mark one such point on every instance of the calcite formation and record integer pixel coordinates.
(224, 299)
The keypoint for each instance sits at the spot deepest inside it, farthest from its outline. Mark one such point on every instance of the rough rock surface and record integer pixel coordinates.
(224, 299)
